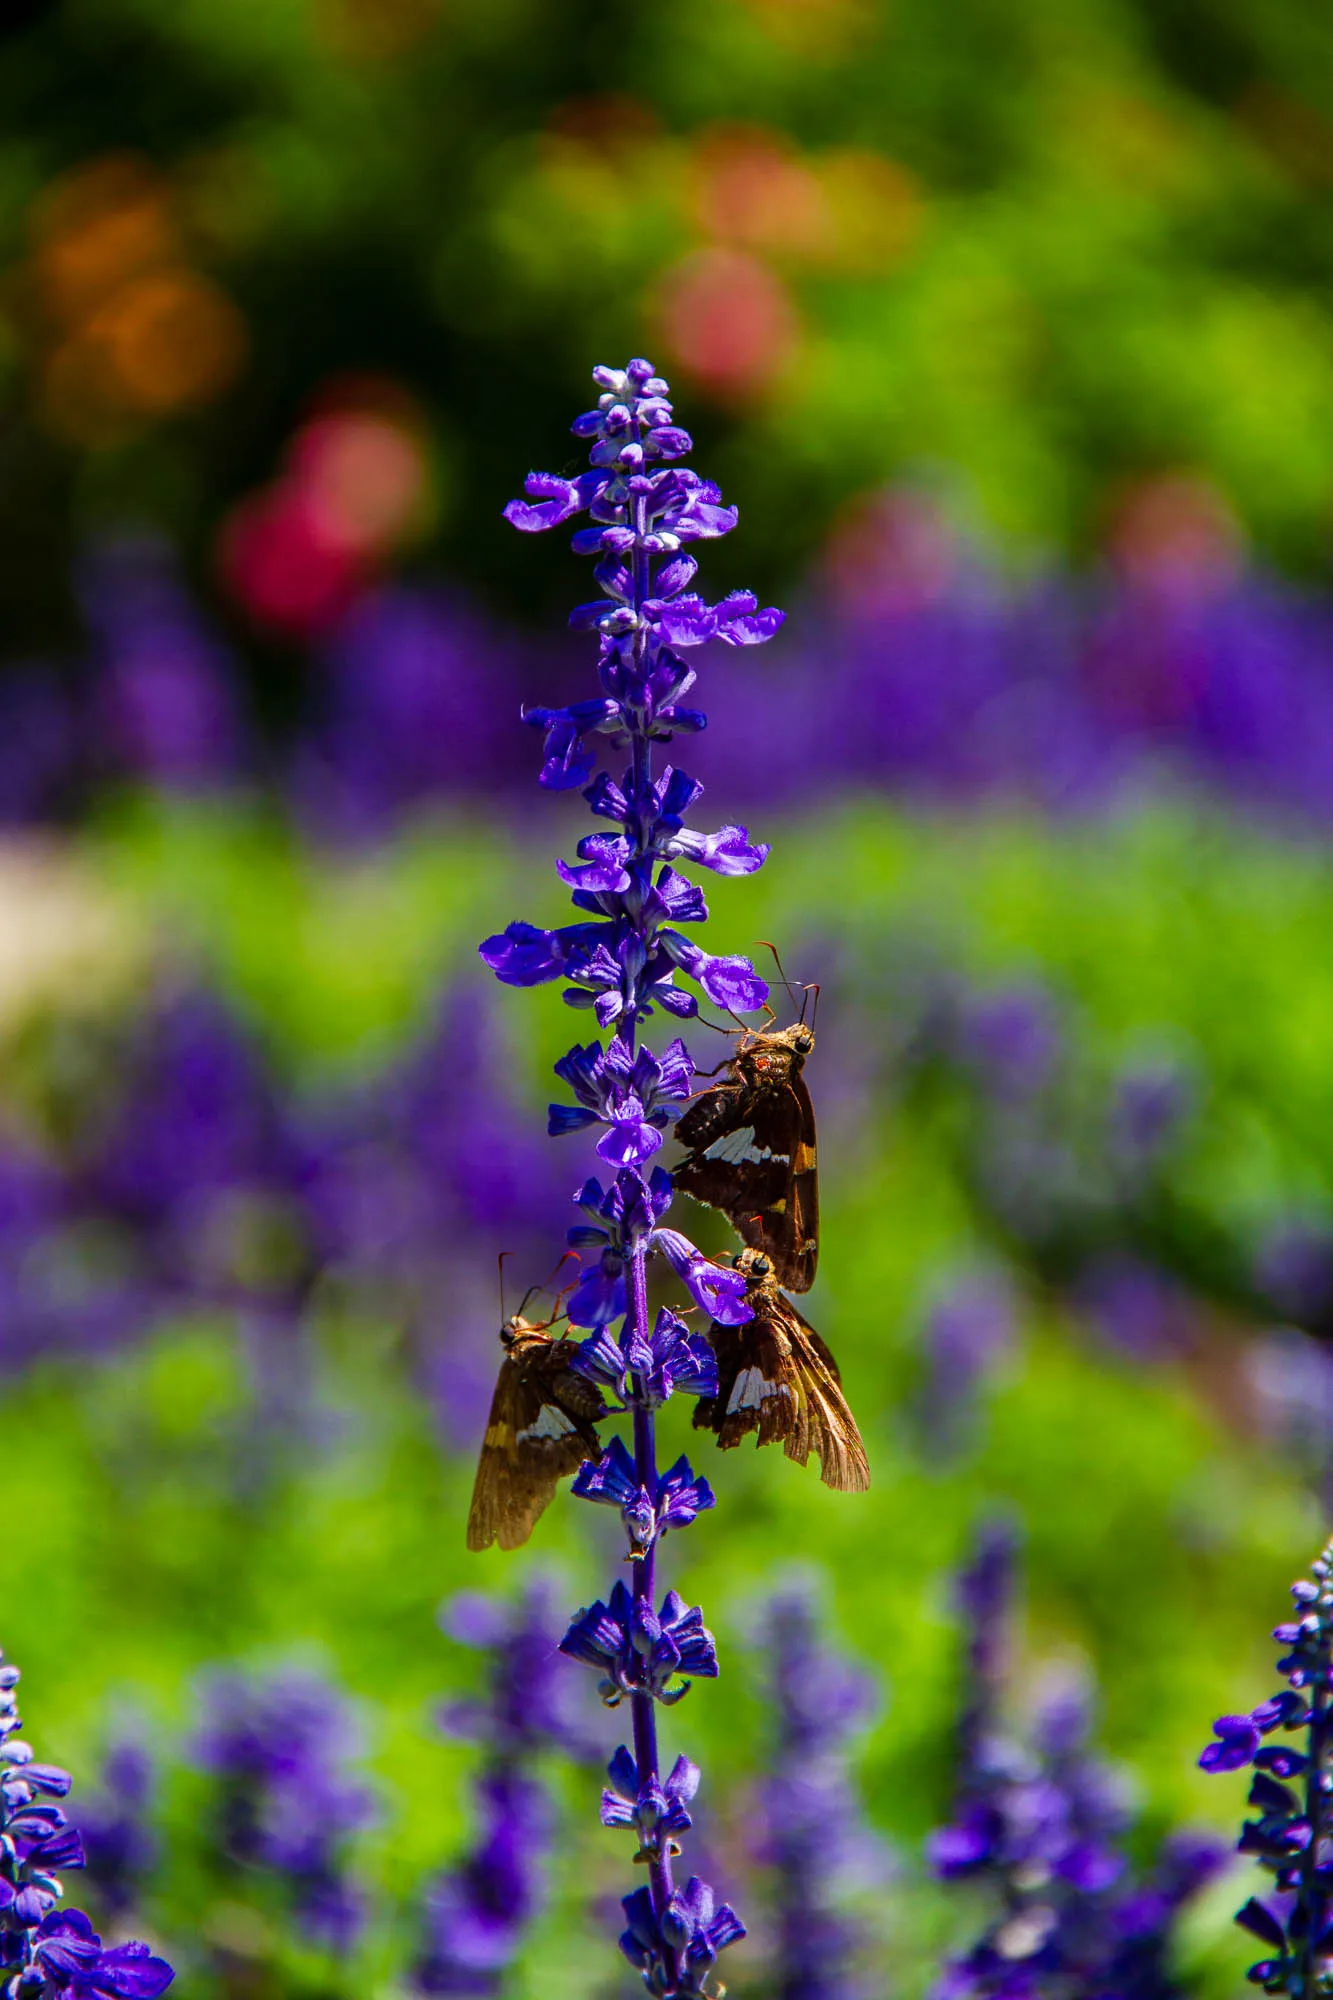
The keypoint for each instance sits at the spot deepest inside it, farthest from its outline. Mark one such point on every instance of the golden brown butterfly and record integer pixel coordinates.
(776, 1376)
(540, 1430)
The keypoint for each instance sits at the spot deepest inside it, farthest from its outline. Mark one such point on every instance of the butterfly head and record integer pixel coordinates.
(753, 1264)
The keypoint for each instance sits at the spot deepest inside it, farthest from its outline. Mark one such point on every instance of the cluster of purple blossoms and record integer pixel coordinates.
(1291, 1835)
(476, 1913)
(279, 1749)
(1043, 1825)
(622, 961)
(816, 1839)
(47, 1953)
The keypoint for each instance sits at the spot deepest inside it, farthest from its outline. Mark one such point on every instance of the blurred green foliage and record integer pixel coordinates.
(170, 1526)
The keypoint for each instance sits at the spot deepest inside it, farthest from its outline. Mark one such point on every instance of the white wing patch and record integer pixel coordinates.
(738, 1148)
(752, 1389)
(551, 1423)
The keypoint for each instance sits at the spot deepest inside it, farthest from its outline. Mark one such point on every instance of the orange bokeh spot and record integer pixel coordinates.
(174, 340)
(138, 334)
(727, 320)
(751, 190)
(97, 226)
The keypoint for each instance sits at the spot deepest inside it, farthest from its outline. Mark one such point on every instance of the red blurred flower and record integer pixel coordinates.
(728, 320)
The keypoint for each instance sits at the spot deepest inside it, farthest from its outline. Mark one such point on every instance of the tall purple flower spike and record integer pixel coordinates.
(47, 1953)
(1292, 1831)
(623, 959)
(478, 1912)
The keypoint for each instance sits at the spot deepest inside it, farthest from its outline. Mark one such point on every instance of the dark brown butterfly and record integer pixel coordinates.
(540, 1430)
(775, 1376)
(751, 1140)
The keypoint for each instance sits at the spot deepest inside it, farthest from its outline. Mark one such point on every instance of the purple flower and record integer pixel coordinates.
(621, 961)
(636, 1098)
(635, 1648)
(613, 1481)
(1237, 1741)
(690, 1932)
(673, 1358)
(653, 1806)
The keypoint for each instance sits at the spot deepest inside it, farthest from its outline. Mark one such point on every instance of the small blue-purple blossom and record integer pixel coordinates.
(651, 1806)
(626, 1215)
(635, 1097)
(671, 1358)
(637, 1649)
(47, 1953)
(690, 1930)
(280, 1749)
(613, 1481)
(1291, 1833)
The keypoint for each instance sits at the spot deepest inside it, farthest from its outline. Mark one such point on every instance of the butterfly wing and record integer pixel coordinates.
(776, 1377)
(757, 1386)
(752, 1156)
(540, 1430)
(834, 1432)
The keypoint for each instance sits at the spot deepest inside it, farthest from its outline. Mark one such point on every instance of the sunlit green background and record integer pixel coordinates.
(1048, 259)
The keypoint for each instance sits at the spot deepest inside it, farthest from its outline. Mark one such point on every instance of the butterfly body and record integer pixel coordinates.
(540, 1429)
(776, 1377)
(752, 1151)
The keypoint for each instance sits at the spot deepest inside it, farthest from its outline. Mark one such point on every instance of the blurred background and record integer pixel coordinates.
(1010, 330)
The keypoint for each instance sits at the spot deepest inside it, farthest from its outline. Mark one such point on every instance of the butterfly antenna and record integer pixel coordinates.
(523, 1302)
(500, 1265)
(716, 1026)
(812, 986)
(558, 1269)
(782, 975)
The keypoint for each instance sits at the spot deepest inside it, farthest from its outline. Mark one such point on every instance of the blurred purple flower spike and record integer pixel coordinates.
(168, 693)
(622, 960)
(477, 1913)
(1043, 1825)
(815, 1833)
(280, 1748)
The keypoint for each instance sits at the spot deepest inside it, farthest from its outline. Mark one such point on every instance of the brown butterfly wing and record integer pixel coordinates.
(834, 1432)
(757, 1385)
(796, 1234)
(540, 1430)
(753, 1157)
(778, 1378)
